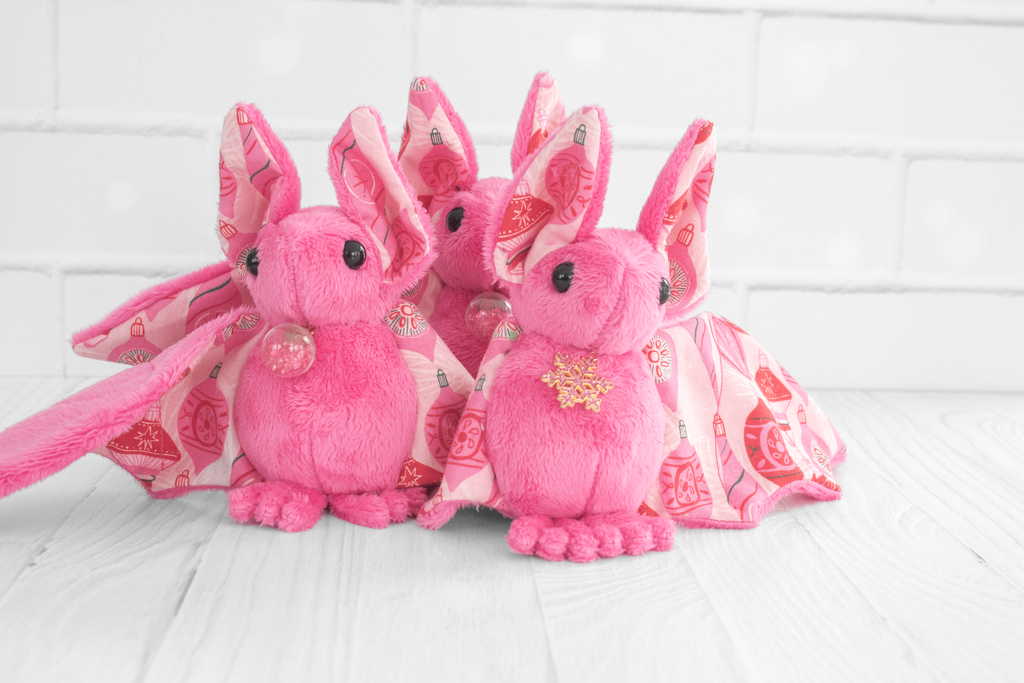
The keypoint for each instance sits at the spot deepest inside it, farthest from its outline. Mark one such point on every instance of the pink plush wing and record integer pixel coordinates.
(542, 115)
(258, 183)
(437, 153)
(555, 197)
(674, 218)
(468, 474)
(158, 317)
(442, 387)
(168, 422)
(740, 435)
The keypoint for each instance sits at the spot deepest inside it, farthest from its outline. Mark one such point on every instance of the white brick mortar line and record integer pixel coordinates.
(626, 137)
(964, 14)
(880, 283)
(74, 263)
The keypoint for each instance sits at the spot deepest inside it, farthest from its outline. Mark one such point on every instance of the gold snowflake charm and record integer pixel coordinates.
(577, 382)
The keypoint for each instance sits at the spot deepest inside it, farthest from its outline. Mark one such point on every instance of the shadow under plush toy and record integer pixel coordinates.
(602, 413)
(292, 374)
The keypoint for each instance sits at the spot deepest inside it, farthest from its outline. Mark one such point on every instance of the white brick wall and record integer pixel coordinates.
(865, 221)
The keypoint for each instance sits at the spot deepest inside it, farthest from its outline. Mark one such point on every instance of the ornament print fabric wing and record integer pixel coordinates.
(158, 317)
(442, 387)
(468, 474)
(168, 421)
(675, 217)
(740, 433)
(255, 168)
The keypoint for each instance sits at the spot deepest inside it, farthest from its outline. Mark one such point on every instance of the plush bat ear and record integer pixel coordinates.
(555, 197)
(258, 182)
(542, 114)
(374, 193)
(437, 153)
(674, 217)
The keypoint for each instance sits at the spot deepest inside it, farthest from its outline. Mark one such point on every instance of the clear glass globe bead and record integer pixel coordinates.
(288, 350)
(485, 312)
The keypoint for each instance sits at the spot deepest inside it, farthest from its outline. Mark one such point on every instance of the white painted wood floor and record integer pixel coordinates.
(916, 574)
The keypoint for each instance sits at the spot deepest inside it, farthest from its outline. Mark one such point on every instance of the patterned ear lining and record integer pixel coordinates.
(557, 196)
(674, 217)
(436, 154)
(248, 174)
(542, 115)
(373, 193)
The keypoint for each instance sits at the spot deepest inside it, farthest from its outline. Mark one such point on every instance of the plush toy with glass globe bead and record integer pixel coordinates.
(605, 411)
(292, 374)
(460, 297)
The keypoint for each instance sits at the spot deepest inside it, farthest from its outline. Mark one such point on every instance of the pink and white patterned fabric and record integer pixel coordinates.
(554, 196)
(149, 324)
(543, 113)
(155, 319)
(187, 439)
(361, 165)
(680, 217)
(447, 164)
(740, 433)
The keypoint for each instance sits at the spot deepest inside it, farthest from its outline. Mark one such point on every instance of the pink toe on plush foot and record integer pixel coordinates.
(663, 531)
(583, 544)
(637, 538)
(242, 503)
(552, 542)
(299, 515)
(404, 503)
(417, 497)
(275, 503)
(524, 532)
(609, 538)
(398, 506)
(364, 509)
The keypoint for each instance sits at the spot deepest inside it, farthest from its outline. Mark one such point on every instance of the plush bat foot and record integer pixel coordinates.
(378, 510)
(586, 539)
(275, 503)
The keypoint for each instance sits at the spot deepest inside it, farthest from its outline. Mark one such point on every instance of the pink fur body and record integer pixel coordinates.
(337, 435)
(345, 426)
(577, 461)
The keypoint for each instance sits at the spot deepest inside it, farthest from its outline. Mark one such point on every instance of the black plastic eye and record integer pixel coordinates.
(664, 292)
(252, 262)
(455, 218)
(561, 276)
(354, 254)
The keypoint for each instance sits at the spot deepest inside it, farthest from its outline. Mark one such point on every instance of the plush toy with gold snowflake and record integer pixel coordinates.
(605, 411)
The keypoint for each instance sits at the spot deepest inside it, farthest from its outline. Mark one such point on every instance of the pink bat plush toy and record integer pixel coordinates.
(297, 379)
(604, 413)
(438, 157)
